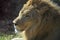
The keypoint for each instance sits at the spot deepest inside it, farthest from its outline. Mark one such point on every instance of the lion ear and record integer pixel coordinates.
(29, 2)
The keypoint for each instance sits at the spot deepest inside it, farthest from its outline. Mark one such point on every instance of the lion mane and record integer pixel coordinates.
(39, 20)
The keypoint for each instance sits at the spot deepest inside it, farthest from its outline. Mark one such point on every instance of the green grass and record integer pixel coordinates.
(8, 37)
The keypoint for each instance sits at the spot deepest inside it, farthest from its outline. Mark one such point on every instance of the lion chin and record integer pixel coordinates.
(16, 31)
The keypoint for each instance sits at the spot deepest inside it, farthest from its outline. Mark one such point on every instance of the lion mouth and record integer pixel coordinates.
(15, 29)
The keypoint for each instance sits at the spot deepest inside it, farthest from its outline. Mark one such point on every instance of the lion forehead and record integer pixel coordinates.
(26, 9)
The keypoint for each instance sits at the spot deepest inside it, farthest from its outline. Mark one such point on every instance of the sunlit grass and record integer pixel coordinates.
(8, 37)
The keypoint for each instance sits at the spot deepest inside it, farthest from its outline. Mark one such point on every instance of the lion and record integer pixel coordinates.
(39, 20)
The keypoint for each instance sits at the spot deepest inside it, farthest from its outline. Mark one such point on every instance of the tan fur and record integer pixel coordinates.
(39, 20)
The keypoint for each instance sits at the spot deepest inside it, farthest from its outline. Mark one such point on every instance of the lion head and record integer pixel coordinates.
(30, 15)
(39, 18)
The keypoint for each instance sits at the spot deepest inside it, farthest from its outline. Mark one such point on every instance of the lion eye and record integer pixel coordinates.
(27, 16)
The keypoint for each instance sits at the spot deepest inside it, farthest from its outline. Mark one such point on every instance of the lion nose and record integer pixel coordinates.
(14, 22)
